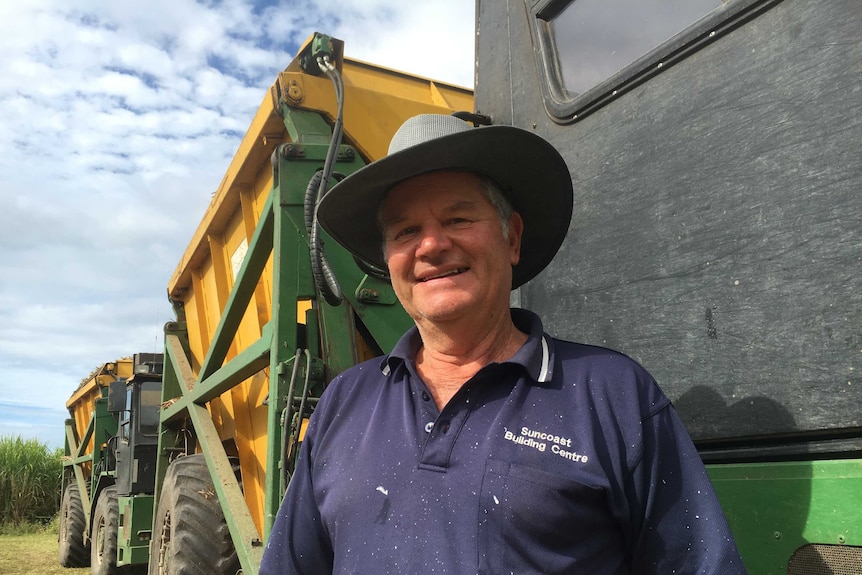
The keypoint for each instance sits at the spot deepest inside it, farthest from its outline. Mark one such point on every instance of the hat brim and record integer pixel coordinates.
(532, 174)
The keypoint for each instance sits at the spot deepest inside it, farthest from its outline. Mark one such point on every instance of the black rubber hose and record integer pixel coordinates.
(300, 413)
(324, 277)
(321, 271)
(286, 416)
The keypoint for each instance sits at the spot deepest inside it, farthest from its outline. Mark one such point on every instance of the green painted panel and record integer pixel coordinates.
(134, 530)
(775, 508)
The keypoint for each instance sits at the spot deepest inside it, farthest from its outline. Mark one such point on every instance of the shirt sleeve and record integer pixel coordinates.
(299, 542)
(678, 521)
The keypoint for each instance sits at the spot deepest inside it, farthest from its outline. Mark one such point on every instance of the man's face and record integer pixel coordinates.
(445, 249)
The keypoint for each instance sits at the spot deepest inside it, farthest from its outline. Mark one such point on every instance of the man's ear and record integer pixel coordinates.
(516, 230)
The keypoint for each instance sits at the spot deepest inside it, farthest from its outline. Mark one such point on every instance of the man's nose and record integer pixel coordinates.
(433, 239)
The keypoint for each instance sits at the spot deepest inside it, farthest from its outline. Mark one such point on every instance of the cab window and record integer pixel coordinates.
(124, 417)
(591, 51)
(595, 39)
(151, 399)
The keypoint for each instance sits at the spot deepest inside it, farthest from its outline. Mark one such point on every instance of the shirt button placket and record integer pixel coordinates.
(429, 411)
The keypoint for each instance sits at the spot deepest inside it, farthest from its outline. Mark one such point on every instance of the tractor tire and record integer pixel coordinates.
(103, 545)
(73, 551)
(190, 534)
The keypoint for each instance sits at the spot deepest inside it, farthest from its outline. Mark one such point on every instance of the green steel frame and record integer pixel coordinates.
(101, 424)
(330, 338)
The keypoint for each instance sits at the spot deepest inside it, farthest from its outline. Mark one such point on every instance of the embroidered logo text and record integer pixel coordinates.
(539, 440)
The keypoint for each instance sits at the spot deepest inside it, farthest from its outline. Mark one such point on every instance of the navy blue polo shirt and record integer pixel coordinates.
(565, 459)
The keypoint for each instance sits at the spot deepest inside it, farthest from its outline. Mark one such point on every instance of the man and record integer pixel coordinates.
(481, 444)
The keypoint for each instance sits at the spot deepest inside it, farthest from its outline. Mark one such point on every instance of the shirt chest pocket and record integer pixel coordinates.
(534, 521)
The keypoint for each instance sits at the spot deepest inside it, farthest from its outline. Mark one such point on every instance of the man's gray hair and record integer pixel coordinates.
(495, 196)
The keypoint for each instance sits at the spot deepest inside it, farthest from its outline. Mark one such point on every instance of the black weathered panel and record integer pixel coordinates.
(717, 230)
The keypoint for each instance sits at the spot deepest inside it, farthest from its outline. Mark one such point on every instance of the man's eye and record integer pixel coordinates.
(405, 233)
(459, 222)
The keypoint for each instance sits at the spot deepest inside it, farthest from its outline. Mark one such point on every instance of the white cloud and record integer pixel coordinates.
(119, 121)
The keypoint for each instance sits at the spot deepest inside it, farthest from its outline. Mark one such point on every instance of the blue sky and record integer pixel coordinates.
(119, 120)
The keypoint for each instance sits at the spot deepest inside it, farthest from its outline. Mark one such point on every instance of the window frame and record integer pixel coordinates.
(564, 108)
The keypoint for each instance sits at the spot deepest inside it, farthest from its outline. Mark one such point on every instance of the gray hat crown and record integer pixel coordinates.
(423, 128)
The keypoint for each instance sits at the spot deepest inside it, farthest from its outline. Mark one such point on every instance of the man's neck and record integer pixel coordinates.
(450, 355)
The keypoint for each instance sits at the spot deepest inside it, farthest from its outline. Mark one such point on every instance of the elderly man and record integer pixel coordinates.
(481, 444)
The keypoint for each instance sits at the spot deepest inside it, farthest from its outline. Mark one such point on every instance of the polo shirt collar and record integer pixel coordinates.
(536, 356)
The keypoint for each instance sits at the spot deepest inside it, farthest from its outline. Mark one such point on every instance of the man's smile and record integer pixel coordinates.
(446, 274)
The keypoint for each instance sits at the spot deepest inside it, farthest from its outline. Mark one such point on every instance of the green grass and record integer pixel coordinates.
(33, 554)
(28, 528)
(29, 496)
(29, 480)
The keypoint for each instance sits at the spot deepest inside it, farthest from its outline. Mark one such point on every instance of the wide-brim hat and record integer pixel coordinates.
(528, 169)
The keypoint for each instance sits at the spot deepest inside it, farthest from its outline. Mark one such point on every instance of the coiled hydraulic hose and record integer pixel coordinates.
(324, 278)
